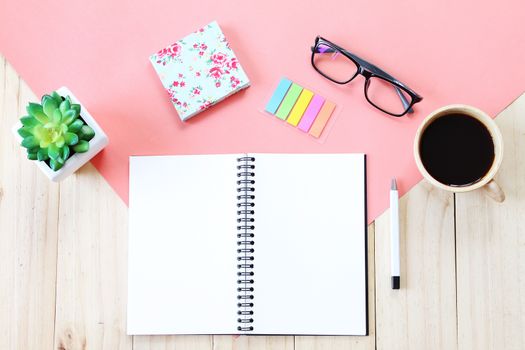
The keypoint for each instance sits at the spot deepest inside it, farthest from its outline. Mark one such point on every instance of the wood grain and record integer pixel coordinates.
(91, 265)
(172, 342)
(256, 342)
(28, 222)
(422, 314)
(491, 250)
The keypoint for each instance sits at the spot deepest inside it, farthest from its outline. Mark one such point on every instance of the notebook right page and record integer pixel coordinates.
(310, 244)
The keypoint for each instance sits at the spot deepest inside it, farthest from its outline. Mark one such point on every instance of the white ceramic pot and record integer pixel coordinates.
(77, 160)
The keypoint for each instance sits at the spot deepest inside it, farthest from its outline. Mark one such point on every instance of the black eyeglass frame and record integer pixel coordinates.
(368, 70)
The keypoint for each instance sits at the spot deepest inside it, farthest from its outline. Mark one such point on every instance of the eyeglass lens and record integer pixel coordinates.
(333, 64)
(387, 96)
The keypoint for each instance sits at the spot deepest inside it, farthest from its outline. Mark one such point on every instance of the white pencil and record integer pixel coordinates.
(394, 235)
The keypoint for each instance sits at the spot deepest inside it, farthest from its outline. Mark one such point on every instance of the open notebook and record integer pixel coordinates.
(248, 244)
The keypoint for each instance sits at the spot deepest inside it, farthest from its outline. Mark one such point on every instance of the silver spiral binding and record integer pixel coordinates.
(245, 241)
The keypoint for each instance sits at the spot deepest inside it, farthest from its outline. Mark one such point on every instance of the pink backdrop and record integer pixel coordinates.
(448, 51)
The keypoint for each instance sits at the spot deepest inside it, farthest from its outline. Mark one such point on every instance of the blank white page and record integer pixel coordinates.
(182, 245)
(310, 239)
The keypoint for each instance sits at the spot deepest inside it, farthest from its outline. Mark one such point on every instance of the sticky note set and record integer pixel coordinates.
(199, 70)
(300, 107)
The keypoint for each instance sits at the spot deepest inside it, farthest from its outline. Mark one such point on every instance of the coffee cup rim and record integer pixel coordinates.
(471, 111)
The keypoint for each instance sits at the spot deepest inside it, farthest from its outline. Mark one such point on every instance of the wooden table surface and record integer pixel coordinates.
(63, 257)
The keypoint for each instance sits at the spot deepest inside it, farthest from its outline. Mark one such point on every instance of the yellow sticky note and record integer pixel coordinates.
(300, 106)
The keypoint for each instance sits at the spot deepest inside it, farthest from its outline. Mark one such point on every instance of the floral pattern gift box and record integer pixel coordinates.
(199, 70)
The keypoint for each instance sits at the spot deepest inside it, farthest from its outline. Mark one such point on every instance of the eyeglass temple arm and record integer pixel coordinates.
(404, 101)
(402, 97)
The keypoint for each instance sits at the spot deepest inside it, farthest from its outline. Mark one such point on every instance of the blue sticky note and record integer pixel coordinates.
(278, 95)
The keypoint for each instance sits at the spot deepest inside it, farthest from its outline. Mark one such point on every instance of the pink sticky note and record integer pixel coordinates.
(311, 112)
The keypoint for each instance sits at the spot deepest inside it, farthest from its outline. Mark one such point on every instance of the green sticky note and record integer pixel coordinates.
(289, 101)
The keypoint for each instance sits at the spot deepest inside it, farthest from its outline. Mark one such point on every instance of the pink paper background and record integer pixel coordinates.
(448, 51)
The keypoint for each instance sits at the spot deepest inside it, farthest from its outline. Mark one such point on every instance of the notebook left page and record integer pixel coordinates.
(182, 245)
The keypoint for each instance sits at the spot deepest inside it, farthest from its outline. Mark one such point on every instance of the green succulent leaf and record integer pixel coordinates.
(30, 142)
(76, 107)
(76, 125)
(32, 156)
(57, 97)
(24, 132)
(81, 147)
(39, 132)
(86, 133)
(64, 106)
(65, 153)
(60, 141)
(37, 111)
(45, 142)
(55, 165)
(50, 105)
(69, 116)
(44, 97)
(57, 116)
(71, 138)
(53, 151)
(42, 154)
(29, 121)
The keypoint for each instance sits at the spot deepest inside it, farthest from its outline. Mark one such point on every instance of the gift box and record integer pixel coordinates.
(199, 70)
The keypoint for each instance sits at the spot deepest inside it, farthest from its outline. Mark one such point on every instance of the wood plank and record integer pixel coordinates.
(28, 220)
(172, 342)
(353, 343)
(422, 314)
(91, 265)
(254, 342)
(491, 250)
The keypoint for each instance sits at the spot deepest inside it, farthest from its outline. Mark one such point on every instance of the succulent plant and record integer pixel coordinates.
(52, 130)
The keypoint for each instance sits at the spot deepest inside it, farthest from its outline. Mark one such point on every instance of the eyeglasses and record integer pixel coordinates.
(382, 90)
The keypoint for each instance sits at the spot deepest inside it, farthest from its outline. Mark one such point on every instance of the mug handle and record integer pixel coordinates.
(495, 192)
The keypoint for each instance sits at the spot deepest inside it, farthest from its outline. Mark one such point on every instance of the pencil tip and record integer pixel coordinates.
(394, 184)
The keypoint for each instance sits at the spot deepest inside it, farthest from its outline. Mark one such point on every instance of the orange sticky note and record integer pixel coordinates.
(300, 106)
(322, 118)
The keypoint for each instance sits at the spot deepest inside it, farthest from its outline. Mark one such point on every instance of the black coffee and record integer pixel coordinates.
(457, 150)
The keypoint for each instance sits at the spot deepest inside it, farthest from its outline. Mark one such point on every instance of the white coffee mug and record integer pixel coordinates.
(487, 182)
